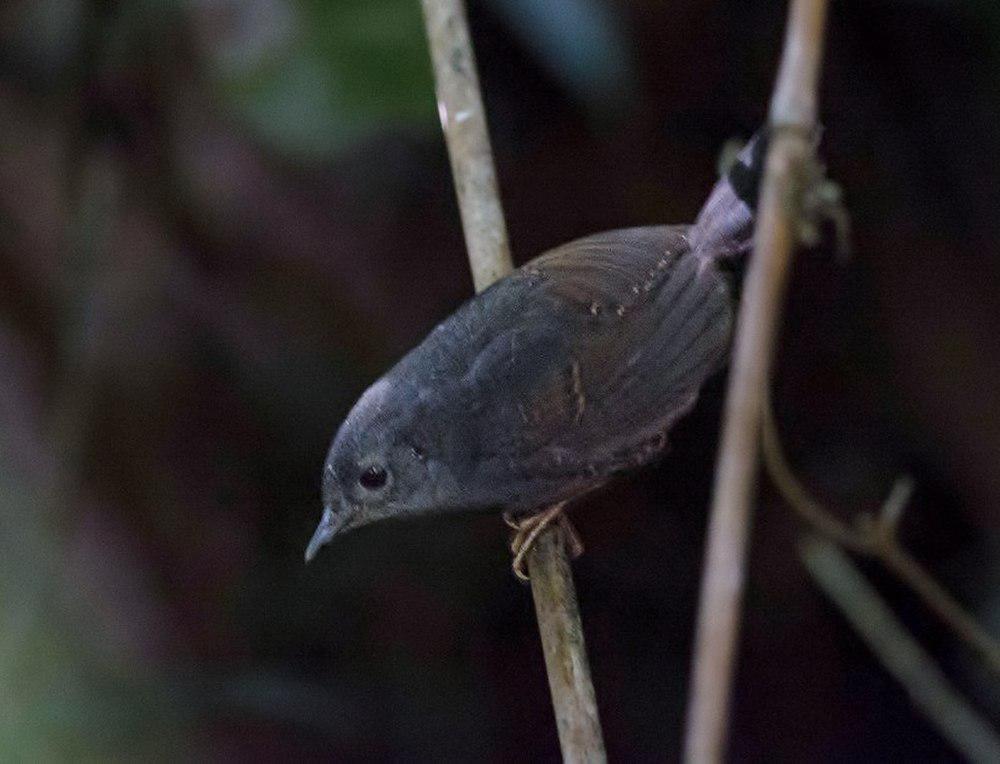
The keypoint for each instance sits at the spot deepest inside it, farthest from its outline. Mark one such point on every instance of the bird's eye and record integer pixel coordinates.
(373, 477)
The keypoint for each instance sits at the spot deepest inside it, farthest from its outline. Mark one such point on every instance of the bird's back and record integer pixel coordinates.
(575, 366)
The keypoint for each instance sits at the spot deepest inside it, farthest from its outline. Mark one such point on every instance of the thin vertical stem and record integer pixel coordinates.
(463, 121)
(565, 652)
(793, 119)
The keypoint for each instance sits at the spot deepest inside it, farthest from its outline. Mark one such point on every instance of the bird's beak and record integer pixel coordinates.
(326, 530)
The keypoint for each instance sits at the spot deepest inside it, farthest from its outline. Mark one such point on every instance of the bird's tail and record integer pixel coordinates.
(724, 228)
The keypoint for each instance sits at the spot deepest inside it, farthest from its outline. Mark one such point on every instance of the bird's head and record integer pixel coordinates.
(379, 465)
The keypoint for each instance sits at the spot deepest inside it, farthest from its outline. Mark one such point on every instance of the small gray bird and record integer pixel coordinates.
(546, 384)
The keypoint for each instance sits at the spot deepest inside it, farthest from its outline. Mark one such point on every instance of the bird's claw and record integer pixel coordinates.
(528, 529)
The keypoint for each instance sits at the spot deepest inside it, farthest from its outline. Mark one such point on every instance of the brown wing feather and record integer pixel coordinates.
(612, 337)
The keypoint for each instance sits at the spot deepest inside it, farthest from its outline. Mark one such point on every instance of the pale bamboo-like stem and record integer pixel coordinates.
(902, 656)
(463, 121)
(792, 123)
(565, 652)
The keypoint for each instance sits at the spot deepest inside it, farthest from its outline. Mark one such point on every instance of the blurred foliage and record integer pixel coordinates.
(583, 43)
(60, 700)
(314, 77)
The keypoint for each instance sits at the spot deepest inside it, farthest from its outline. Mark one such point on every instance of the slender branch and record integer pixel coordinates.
(793, 120)
(901, 655)
(795, 493)
(965, 627)
(463, 121)
(564, 648)
(876, 537)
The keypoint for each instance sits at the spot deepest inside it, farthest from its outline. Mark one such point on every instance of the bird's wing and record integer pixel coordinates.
(596, 348)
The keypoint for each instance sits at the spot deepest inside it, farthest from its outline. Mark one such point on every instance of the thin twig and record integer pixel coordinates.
(968, 630)
(463, 121)
(565, 652)
(792, 120)
(795, 493)
(876, 537)
(901, 655)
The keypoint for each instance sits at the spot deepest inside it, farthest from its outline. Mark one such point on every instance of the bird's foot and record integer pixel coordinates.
(527, 530)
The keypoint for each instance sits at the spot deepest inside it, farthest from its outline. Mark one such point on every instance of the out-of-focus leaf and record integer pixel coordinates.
(583, 43)
(41, 36)
(60, 698)
(314, 77)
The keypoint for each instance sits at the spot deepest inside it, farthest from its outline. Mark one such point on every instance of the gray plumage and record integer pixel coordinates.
(545, 385)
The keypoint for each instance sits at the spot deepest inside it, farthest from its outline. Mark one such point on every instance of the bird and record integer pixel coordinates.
(547, 384)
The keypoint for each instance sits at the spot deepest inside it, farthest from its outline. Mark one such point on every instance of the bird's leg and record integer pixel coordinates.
(527, 529)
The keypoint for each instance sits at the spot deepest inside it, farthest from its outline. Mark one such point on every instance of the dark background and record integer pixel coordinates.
(221, 220)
